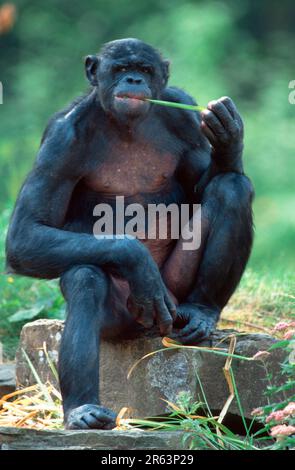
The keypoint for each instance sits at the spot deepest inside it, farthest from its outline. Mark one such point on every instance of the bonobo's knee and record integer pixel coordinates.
(84, 278)
(230, 191)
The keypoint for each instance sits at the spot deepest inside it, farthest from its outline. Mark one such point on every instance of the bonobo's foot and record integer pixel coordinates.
(194, 323)
(90, 417)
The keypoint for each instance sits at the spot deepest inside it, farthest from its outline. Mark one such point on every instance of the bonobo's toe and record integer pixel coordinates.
(91, 417)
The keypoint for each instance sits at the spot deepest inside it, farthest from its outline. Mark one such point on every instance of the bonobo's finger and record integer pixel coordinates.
(134, 308)
(143, 314)
(214, 124)
(228, 102)
(164, 319)
(208, 133)
(171, 307)
(188, 329)
(196, 336)
(223, 114)
(147, 316)
(193, 335)
(146, 319)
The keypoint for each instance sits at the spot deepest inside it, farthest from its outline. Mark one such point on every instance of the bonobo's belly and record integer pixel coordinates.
(146, 219)
(150, 227)
(160, 248)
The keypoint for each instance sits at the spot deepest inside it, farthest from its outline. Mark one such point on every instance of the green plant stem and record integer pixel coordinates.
(37, 378)
(239, 401)
(171, 104)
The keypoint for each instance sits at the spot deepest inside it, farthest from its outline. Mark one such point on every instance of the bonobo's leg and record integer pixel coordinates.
(213, 272)
(87, 291)
(227, 205)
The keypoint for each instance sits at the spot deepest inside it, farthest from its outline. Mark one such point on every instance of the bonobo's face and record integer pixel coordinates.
(125, 73)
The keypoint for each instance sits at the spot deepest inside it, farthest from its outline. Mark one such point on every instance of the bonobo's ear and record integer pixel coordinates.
(91, 65)
(165, 69)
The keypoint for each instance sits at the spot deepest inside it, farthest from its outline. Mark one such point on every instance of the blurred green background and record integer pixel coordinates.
(240, 48)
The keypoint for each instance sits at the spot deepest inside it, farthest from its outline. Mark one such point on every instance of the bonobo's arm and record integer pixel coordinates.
(226, 249)
(38, 246)
(223, 127)
(214, 139)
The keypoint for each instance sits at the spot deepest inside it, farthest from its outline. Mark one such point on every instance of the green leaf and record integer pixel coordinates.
(279, 344)
(26, 314)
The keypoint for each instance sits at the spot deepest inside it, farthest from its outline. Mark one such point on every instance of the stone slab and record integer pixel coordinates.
(163, 375)
(30, 439)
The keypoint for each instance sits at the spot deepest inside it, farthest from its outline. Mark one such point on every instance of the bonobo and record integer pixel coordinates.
(113, 142)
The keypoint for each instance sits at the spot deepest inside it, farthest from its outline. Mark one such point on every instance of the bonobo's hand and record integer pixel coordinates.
(223, 126)
(149, 300)
(194, 323)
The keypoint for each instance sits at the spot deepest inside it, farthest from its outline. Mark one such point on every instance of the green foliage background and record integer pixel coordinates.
(239, 48)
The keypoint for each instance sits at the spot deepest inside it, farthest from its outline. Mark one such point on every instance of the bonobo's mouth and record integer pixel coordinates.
(131, 99)
(131, 96)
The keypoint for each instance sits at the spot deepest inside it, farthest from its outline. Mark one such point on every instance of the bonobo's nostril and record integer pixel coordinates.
(132, 81)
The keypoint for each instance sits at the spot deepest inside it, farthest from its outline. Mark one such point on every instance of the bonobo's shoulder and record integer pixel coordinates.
(184, 124)
(64, 142)
(68, 123)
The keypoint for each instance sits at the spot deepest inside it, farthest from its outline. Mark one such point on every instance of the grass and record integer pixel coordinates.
(29, 407)
(260, 302)
(172, 104)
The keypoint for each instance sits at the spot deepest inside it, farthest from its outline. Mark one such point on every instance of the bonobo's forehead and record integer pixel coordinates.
(132, 49)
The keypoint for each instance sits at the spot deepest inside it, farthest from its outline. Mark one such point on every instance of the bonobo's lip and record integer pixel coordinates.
(139, 96)
(131, 97)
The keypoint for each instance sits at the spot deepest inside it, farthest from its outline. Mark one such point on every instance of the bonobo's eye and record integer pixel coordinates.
(147, 69)
(120, 68)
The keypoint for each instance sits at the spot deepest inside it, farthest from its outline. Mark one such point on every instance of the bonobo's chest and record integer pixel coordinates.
(128, 167)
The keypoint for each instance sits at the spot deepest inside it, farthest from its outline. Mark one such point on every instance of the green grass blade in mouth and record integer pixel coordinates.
(190, 107)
